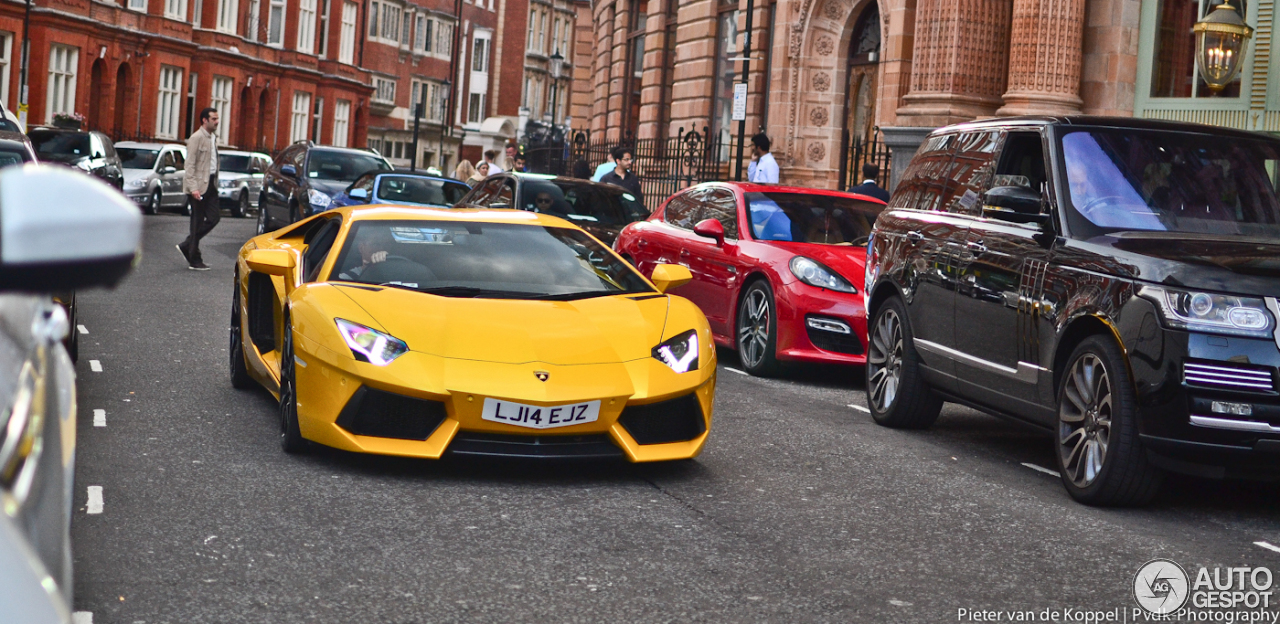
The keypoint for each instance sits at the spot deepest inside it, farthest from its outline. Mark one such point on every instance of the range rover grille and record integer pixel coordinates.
(1221, 376)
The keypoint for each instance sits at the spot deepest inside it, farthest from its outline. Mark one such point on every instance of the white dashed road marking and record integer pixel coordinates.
(82, 617)
(860, 408)
(83, 331)
(95, 366)
(1042, 469)
(95, 499)
(734, 370)
(99, 418)
(1268, 546)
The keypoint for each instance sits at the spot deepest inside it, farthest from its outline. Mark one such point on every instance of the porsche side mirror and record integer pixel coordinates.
(62, 230)
(668, 277)
(359, 194)
(710, 228)
(270, 261)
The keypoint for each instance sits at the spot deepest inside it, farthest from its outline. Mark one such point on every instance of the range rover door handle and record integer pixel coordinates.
(915, 236)
(976, 246)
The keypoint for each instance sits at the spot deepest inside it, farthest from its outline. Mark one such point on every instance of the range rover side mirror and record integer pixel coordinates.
(61, 230)
(1017, 204)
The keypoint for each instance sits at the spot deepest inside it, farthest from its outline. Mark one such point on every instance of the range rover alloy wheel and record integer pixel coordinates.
(757, 331)
(896, 392)
(1099, 453)
(153, 204)
(242, 206)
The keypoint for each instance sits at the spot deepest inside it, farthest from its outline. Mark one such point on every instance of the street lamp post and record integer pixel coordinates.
(1221, 38)
(444, 97)
(557, 66)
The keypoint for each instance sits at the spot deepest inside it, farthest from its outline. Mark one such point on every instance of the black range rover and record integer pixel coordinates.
(1114, 281)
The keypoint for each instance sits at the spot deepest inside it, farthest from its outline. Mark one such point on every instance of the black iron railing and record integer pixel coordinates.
(858, 151)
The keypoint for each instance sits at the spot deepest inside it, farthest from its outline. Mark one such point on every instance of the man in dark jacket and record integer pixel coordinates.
(622, 175)
(869, 187)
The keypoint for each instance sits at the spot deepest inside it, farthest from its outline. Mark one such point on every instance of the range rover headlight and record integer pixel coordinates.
(814, 273)
(319, 200)
(680, 352)
(1212, 313)
(370, 345)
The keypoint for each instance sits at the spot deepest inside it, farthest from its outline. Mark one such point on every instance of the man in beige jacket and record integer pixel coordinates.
(200, 183)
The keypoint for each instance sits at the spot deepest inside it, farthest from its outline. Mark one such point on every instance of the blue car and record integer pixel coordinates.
(402, 188)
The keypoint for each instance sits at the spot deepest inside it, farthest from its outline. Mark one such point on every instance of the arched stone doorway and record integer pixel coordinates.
(858, 138)
(124, 85)
(99, 91)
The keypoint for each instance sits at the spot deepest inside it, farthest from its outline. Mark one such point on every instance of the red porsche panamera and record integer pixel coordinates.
(777, 270)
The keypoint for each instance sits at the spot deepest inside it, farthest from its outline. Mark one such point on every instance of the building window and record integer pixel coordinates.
(62, 79)
(6, 51)
(406, 33)
(637, 31)
(301, 115)
(138, 5)
(727, 46)
(389, 31)
(428, 35)
(419, 31)
(317, 116)
(254, 22)
(475, 108)
(275, 24)
(175, 9)
(480, 55)
(227, 14)
(529, 38)
(169, 101)
(307, 26)
(222, 103)
(373, 20)
(1173, 64)
(384, 90)
(347, 40)
(444, 39)
(341, 122)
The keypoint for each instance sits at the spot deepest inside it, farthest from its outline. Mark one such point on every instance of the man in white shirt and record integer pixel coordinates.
(763, 168)
(491, 157)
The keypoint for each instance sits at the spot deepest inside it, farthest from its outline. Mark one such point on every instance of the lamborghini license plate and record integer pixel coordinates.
(540, 416)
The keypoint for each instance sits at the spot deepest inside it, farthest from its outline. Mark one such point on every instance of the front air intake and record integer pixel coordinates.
(1229, 377)
(385, 415)
(675, 420)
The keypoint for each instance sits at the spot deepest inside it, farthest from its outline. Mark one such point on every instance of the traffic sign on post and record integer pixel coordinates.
(739, 101)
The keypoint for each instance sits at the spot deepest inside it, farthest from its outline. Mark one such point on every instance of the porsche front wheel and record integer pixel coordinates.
(757, 330)
(291, 440)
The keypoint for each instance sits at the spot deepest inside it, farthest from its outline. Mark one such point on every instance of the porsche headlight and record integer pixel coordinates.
(318, 199)
(370, 345)
(814, 273)
(680, 352)
(1211, 313)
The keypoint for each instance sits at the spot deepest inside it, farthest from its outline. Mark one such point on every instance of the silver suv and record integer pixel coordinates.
(240, 180)
(153, 174)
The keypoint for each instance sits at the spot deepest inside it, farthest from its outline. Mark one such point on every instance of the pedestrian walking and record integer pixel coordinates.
(200, 184)
(763, 168)
(491, 157)
(481, 173)
(605, 167)
(464, 171)
(622, 175)
(869, 187)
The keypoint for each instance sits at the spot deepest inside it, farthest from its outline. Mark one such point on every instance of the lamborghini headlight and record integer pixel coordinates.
(814, 273)
(370, 345)
(680, 352)
(1211, 313)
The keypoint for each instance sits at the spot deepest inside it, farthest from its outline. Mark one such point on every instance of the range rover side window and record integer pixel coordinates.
(1021, 162)
(970, 172)
(920, 186)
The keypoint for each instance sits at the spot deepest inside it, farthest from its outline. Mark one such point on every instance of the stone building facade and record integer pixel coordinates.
(824, 74)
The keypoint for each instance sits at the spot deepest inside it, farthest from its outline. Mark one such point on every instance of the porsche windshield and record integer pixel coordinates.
(487, 260)
(811, 218)
(1171, 182)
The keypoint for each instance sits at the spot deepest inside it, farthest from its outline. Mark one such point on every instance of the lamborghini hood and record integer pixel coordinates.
(600, 330)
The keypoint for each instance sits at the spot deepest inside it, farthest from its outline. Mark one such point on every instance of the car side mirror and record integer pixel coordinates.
(169, 170)
(289, 170)
(710, 228)
(359, 194)
(61, 230)
(1016, 204)
(270, 261)
(668, 277)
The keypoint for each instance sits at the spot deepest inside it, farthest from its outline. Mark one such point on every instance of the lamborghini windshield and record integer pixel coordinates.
(487, 260)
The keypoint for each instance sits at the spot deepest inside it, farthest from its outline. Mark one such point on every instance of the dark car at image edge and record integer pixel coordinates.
(1110, 280)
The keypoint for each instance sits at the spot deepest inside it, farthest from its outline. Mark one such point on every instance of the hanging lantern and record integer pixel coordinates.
(1221, 38)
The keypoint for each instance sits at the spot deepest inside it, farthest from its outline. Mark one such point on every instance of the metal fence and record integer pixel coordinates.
(664, 166)
(859, 151)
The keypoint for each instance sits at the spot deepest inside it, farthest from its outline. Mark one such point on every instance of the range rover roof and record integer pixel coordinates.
(1097, 121)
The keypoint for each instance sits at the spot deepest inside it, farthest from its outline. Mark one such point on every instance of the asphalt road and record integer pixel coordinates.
(800, 509)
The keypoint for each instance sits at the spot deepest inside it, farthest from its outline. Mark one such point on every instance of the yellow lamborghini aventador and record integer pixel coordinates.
(416, 332)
